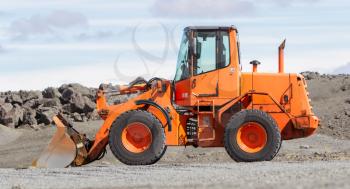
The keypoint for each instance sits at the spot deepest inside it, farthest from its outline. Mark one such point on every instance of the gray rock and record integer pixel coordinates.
(5, 114)
(14, 98)
(78, 103)
(310, 75)
(84, 117)
(67, 94)
(77, 117)
(51, 102)
(67, 108)
(45, 114)
(33, 103)
(89, 105)
(62, 88)
(85, 91)
(29, 117)
(51, 92)
(2, 101)
(5, 109)
(30, 95)
(347, 100)
(93, 115)
(347, 112)
(11, 116)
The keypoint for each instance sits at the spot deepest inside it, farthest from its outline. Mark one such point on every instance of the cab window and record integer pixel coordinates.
(182, 68)
(212, 51)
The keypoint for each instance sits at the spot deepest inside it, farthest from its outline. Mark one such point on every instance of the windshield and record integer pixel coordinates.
(182, 68)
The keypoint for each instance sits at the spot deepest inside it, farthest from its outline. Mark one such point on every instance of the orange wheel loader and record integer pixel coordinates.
(209, 103)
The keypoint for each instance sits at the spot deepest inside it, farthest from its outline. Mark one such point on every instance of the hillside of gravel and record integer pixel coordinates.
(330, 98)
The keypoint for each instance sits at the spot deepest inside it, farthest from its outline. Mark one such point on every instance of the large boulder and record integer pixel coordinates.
(51, 92)
(67, 108)
(67, 94)
(50, 102)
(5, 109)
(30, 95)
(33, 103)
(78, 102)
(84, 91)
(89, 105)
(45, 114)
(29, 117)
(81, 89)
(14, 98)
(11, 116)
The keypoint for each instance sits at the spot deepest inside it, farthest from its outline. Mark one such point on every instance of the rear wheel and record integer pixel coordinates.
(252, 135)
(137, 138)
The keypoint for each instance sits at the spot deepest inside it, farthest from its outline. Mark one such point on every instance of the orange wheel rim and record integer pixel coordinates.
(136, 137)
(251, 137)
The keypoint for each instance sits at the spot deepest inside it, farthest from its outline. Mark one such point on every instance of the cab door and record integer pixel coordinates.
(229, 66)
(204, 82)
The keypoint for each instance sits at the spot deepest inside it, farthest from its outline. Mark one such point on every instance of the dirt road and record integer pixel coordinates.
(317, 174)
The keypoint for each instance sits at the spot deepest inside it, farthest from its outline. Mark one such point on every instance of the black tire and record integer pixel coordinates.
(273, 142)
(150, 156)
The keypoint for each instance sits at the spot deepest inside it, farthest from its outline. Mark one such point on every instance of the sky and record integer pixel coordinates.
(50, 42)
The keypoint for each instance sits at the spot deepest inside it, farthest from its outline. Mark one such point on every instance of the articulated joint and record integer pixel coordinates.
(165, 113)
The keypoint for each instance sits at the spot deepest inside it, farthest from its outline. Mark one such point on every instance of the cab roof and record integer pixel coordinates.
(210, 28)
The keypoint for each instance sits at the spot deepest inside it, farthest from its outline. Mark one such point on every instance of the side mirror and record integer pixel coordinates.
(196, 49)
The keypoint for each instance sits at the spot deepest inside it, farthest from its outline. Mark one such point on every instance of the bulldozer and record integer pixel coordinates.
(209, 103)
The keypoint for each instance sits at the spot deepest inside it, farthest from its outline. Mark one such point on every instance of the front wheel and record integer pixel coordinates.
(137, 138)
(252, 135)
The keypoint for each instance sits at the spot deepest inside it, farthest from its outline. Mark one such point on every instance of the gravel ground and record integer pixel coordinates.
(318, 161)
(333, 174)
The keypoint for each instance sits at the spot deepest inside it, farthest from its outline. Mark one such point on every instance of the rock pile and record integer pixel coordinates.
(330, 98)
(36, 108)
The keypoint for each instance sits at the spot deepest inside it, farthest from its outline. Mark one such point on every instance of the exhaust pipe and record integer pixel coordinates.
(281, 57)
(255, 64)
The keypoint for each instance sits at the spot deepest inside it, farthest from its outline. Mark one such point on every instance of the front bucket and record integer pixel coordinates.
(61, 150)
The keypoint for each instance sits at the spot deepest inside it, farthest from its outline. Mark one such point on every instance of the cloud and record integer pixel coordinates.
(48, 24)
(290, 2)
(2, 50)
(344, 69)
(214, 8)
(201, 8)
(97, 35)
